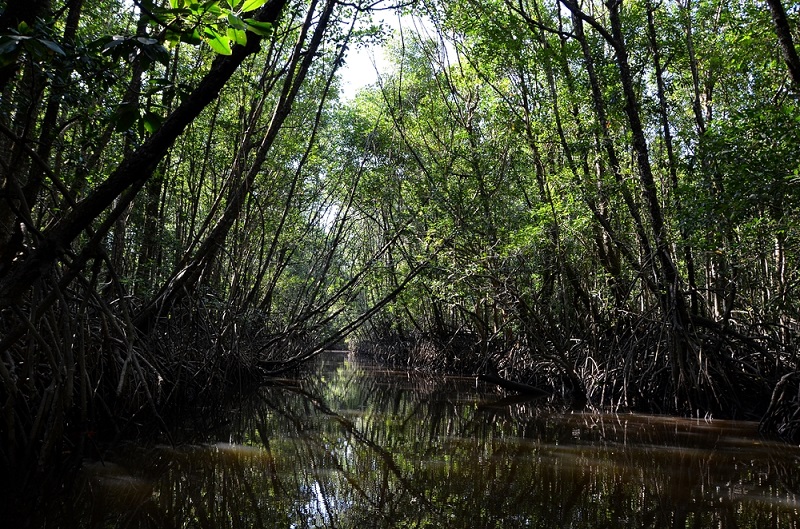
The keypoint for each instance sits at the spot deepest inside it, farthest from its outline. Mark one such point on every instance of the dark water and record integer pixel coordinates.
(361, 447)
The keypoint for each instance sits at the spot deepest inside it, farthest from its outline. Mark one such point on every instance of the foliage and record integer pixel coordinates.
(572, 168)
(595, 197)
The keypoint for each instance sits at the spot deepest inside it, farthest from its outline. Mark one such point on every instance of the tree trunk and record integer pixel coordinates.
(672, 296)
(24, 97)
(608, 145)
(670, 292)
(785, 40)
(48, 126)
(673, 164)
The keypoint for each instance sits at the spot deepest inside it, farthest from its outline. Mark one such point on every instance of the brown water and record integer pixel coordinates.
(361, 447)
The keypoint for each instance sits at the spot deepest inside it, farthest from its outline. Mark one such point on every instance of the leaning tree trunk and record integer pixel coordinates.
(672, 296)
(611, 152)
(784, 33)
(669, 284)
(185, 278)
(132, 173)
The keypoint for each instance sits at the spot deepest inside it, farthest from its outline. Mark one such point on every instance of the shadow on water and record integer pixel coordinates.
(359, 446)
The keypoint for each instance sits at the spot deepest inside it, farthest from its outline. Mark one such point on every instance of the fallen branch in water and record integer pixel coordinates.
(514, 386)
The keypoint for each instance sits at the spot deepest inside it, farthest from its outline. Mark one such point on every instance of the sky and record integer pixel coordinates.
(363, 64)
(361, 69)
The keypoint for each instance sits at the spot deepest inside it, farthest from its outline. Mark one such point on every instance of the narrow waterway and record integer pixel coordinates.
(357, 446)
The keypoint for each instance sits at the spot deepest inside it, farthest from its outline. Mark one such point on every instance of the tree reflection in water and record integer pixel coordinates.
(362, 447)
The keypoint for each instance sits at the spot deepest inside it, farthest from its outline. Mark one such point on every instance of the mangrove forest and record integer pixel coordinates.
(595, 202)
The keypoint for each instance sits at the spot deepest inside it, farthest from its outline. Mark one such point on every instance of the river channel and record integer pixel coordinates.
(359, 446)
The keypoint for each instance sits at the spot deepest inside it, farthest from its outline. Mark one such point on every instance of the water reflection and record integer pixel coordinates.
(363, 447)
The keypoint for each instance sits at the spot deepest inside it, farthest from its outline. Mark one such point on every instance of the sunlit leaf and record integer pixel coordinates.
(238, 36)
(212, 8)
(263, 29)
(219, 43)
(250, 5)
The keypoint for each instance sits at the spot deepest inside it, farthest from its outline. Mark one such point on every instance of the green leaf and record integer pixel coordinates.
(193, 37)
(176, 4)
(8, 53)
(42, 48)
(52, 46)
(235, 22)
(263, 29)
(157, 85)
(172, 37)
(167, 15)
(219, 43)
(238, 36)
(112, 42)
(8, 46)
(213, 8)
(145, 41)
(250, 5)
(151, 122)
(126, 116)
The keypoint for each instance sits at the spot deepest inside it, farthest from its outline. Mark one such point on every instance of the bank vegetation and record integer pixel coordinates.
(596, 199)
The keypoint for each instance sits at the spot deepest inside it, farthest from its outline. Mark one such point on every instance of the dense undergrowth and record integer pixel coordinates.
(110, 382)
(95, 379)
(631, 366)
